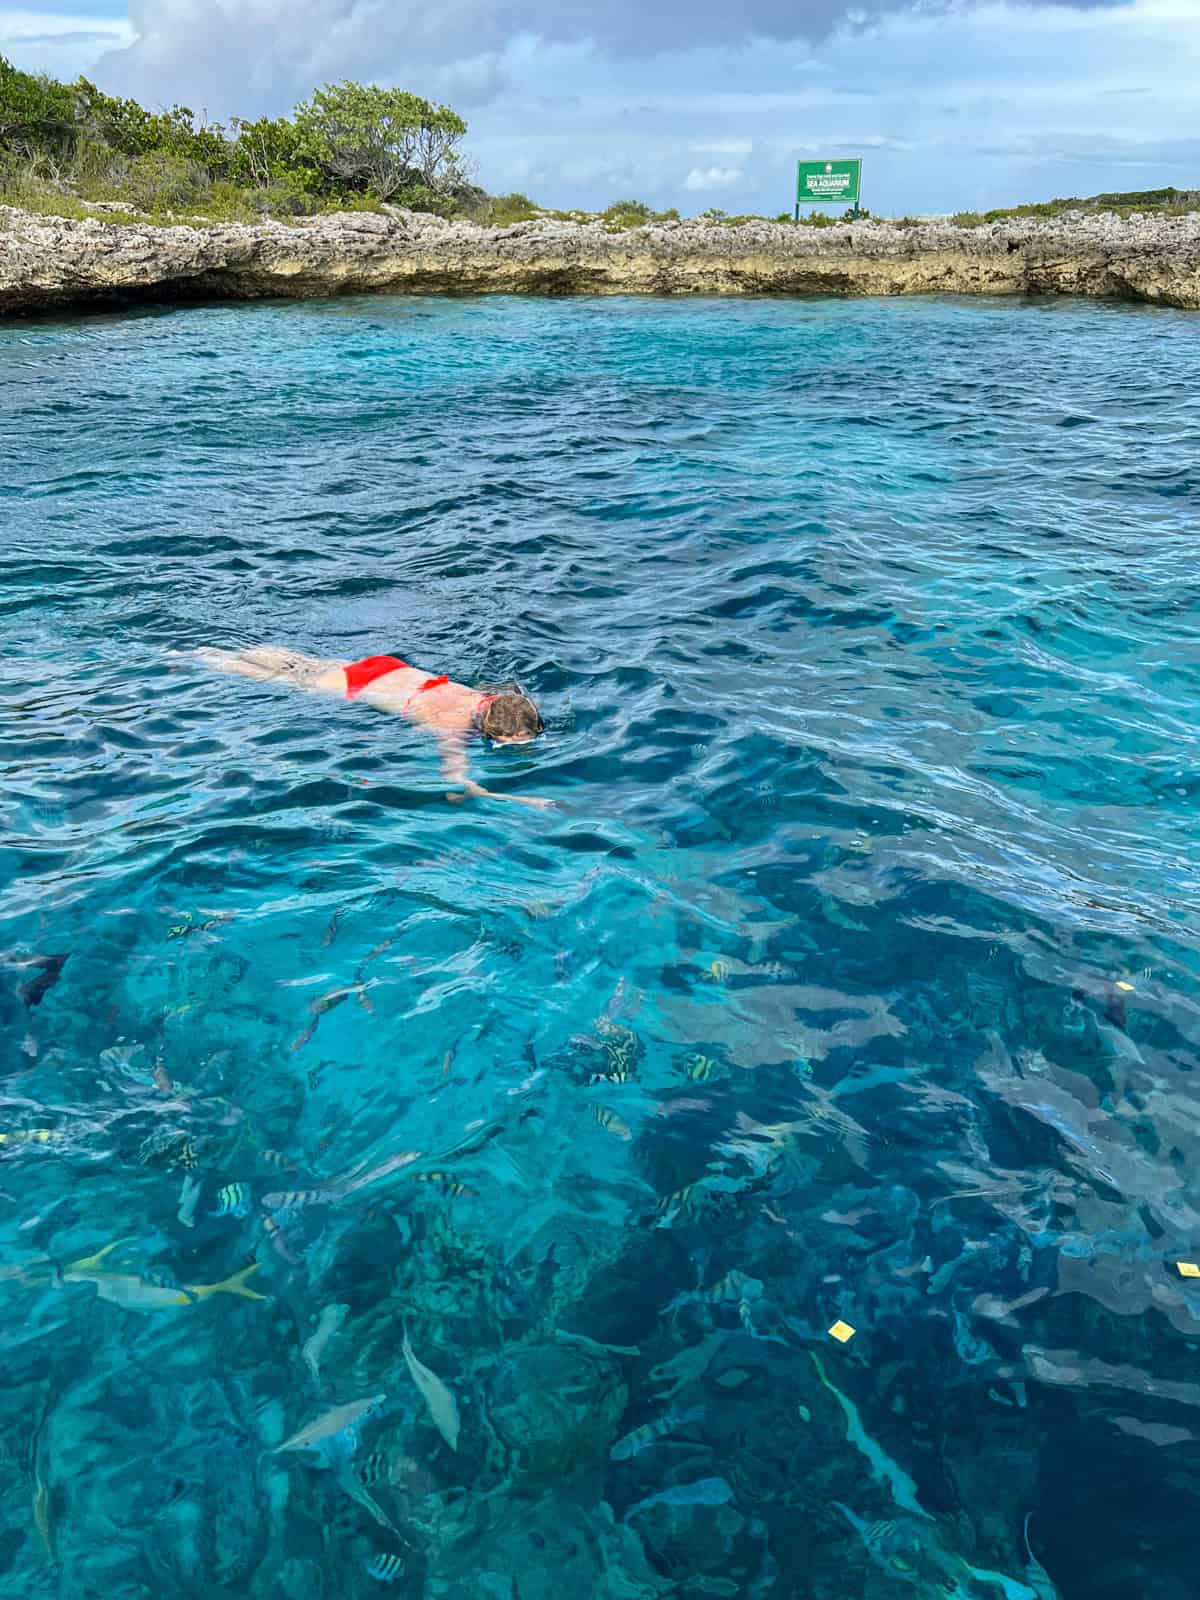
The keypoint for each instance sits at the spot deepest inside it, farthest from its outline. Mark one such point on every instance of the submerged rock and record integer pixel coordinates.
(557, 1408)
(48, 262)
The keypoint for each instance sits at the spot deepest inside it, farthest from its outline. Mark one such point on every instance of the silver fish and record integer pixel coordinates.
(328, 1423)
(437, 1397)
(313, 1349)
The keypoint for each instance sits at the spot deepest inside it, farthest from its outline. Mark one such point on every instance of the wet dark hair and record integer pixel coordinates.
(508, 715)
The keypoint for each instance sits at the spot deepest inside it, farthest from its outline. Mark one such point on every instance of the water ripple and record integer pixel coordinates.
(855, 976)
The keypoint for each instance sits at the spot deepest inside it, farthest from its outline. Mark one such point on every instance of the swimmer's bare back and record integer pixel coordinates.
(450, 711)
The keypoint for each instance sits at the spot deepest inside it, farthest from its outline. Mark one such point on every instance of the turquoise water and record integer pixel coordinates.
(853, 978)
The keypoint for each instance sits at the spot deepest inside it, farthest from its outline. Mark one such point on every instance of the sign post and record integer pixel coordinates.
(828, 180)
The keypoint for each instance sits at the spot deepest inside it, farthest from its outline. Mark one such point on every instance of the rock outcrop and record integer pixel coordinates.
(49, 263)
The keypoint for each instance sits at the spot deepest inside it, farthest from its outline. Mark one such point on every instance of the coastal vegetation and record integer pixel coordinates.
(66, 148)
(70, 150)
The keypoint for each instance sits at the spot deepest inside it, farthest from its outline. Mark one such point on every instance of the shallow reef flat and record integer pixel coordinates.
(49, 263)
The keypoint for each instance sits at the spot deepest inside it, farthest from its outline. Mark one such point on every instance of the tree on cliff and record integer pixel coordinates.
(385, 141)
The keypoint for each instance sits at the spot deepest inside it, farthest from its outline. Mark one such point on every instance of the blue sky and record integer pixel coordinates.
(951, 105)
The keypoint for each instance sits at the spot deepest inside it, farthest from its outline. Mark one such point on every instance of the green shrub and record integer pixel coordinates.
(966, 219)
(380, 141)
(624, 214)
(505, 209)
(161, 182)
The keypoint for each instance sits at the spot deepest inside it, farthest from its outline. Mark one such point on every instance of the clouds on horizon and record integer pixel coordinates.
(951, 104)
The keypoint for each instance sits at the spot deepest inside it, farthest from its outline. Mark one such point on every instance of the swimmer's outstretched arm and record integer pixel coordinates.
(454, 769)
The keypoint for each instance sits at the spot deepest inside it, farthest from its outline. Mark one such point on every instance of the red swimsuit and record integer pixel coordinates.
(361, 673)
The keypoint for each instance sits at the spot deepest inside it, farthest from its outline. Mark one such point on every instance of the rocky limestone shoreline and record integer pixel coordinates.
(51, 263)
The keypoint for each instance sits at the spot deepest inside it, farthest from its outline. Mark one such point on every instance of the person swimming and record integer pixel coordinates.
(450, 711)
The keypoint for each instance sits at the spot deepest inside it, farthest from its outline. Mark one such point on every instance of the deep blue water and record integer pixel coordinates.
(853, 978)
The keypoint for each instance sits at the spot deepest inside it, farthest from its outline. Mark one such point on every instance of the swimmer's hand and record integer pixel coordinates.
(478, 792)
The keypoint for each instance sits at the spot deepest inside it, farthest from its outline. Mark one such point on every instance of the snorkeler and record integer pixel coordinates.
(450, 711)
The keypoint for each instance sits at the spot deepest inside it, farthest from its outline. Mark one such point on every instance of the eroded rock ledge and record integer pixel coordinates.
(48, 263)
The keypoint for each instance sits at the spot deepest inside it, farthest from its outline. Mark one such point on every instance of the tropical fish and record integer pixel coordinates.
(446, 1181)
(359, 1179)
(901, 1487)
(180, 930)
(276, 1158)
(233, 1200)
(703, 1492)
(327, 1002)
(386, 1568)
(184, 1154)
(28, 1136)
(894, 1547)
(278, 1239)
(621, 1048)
(41, 1515)
(437, 1397)
(717, 971)
(733, 1289)
(1037, 1577)
(330, 1423)
(162, 1078)
(188, 1196)
(136, 1293)
(290, 1199)
(700, 1069)
(379, 1467)
(633, 1443)
(673, 1107)
(611, 1122)
(34, 990)
(313, 1348)
(355, 1486)
(691, 1363)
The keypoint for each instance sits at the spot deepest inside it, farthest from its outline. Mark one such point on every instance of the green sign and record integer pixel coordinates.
(828, 180)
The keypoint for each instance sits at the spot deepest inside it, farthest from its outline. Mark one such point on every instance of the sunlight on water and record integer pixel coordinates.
(455, 1202)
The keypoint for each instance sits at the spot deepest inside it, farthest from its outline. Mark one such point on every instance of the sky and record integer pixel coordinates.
(951, 105)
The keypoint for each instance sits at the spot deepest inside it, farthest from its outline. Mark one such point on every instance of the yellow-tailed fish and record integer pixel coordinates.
(611, 1122)
(437, 1397)
(135, 1293)
(717, 971)
(28, 1136)
(330, 1422)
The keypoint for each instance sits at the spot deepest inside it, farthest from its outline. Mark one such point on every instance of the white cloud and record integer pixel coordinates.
(953, 104)
(63, 44)
(702, 178)
(724, 147)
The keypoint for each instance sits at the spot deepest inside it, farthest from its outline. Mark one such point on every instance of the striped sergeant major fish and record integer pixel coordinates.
(650, 1432)
(611, 1122)
(290, 1199)
(386, 1568)
(446, 1181)
(233, 1200)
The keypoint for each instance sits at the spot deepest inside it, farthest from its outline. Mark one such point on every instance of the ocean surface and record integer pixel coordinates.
(408, 1198)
